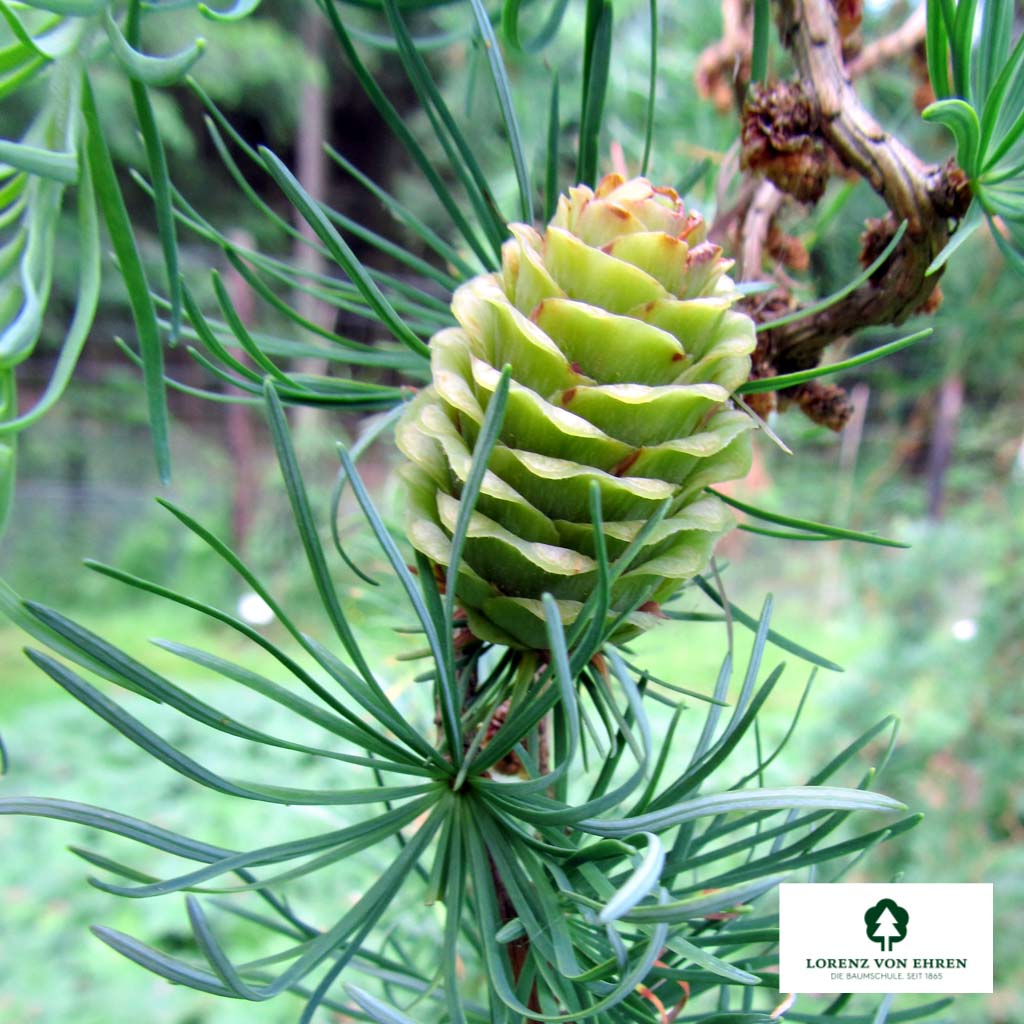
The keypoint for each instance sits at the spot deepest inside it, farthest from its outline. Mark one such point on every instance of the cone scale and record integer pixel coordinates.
(624, 352)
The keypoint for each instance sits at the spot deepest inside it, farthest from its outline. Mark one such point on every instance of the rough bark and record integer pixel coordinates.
(924, 196)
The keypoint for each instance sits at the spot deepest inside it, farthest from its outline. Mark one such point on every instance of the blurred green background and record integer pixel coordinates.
(934, 634)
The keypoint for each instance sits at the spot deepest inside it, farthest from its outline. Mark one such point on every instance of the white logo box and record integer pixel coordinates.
(825, 945)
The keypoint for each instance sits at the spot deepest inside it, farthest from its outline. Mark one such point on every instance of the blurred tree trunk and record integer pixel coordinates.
(311, 170)
(940, 453)
(835, 584)
(240, 433)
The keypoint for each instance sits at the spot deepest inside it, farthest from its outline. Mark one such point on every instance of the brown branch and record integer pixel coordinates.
(925, 197)
(756, 226)
(900, 41)
(758, 213)
(723, 69)
(518, 949)
(767, 201)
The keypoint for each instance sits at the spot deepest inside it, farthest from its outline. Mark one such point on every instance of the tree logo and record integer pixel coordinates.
(886, 923)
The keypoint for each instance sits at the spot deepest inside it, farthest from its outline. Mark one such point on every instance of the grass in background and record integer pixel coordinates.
(893, 619)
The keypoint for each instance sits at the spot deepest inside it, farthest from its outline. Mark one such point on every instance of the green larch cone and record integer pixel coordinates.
(623, 353)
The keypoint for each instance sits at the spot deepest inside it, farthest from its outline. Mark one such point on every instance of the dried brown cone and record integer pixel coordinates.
(782, 139)
(761, 308)
(850, 14)
(787, 249)
(826, 404)
(721, 76)
(924, 94)
(878, 233)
